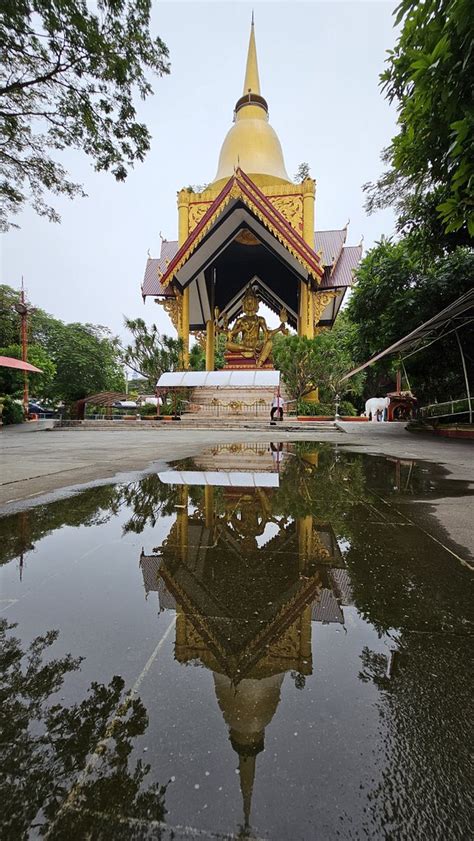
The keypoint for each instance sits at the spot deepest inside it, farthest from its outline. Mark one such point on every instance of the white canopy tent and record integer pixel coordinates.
(220, 379)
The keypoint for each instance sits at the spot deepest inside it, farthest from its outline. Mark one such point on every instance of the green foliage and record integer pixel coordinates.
(197, 356)
(429, 75)
(316, 410)
(302, 173)
(72, 74)
(12, 411)
(325, 410)
(151, 354)
(9, 321)
(294, 357)
(87, 361)
(11, 381)
(46, 744)
(77, 359)
(321, 363)
(394, 294)
(147, 410)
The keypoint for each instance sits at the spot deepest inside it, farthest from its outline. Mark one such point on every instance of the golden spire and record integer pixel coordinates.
(251, 143)
(252, 82)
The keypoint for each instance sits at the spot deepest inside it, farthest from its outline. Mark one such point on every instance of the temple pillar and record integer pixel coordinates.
(183, 216)
(183, 233)
(185, 327)
(309, 192)
(304, 531)
(182, 522)
(209, 506)
(210, 338)
(306, 317)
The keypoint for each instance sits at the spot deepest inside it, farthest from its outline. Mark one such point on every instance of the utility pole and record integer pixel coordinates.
(23, 311)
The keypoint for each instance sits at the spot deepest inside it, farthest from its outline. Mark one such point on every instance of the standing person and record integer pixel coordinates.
(277, 405)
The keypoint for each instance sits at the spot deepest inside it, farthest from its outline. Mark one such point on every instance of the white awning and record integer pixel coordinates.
(253, 378)
(220, 478)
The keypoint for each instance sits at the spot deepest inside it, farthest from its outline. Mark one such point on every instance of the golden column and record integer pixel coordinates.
(183, 233)
(306, 315)
(182, 522)
(210, 339)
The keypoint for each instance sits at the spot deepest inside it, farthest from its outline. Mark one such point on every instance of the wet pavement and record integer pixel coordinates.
(263, 641)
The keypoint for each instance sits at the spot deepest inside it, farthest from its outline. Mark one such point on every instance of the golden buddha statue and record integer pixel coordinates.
(250, 336)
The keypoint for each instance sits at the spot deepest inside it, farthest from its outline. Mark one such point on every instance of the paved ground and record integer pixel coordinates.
(35, 466)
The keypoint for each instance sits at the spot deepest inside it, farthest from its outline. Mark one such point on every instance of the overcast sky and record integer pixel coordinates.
(319, 65)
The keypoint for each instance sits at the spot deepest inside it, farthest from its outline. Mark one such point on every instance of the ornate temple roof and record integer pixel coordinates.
(339, 260)
(330, 244)
(241, 188)
(340, 275)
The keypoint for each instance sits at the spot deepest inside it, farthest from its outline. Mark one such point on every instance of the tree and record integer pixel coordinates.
(429, 75)
(306, 364)
(197, 356)
(151, 353)
(11, 381)
(395, 293)
(87, 359)
(71, 76)
(302, 173)
(332, 359)
(294, 357)
(46, 746)
(9, 321)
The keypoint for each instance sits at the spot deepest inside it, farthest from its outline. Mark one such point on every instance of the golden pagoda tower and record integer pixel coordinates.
(250, 228)
(252, 143)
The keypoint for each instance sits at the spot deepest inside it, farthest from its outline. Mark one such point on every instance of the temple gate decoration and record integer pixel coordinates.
(250, 228)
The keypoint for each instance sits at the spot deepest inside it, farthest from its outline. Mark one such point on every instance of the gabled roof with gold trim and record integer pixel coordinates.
(241, 187)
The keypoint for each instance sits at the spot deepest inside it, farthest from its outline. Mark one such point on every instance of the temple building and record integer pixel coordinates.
(250, 236)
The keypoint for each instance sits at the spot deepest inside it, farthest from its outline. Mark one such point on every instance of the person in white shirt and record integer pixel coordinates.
(277, 405)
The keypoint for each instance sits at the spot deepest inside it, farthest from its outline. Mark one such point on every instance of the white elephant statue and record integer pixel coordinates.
(373, 404)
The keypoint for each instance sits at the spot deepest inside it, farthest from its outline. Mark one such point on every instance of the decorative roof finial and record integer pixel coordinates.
(252, 81)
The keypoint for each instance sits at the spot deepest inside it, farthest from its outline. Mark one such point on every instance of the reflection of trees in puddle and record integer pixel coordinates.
(65, 770)
(423, 749)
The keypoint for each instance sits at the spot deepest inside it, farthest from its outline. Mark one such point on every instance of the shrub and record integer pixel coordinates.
(12, 411)
(347, 409)
(147, 410)
(315, 409)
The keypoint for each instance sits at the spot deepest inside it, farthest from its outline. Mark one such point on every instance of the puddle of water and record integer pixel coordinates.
(264, 642)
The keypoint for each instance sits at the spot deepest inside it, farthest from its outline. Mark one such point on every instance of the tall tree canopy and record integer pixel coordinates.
(320, 363)
(151, 353)
(394, 294)
(77, 359)
(71, 74)
(431, 160)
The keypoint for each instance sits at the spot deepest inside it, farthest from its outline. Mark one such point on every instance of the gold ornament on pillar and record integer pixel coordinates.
(320, 302)
(172, 307)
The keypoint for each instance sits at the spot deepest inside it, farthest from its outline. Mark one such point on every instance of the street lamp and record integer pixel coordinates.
(336, 416)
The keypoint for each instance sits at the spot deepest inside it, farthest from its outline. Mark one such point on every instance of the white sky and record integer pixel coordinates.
(319, 65)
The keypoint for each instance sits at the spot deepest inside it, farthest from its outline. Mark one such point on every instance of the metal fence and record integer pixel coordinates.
(450, 408)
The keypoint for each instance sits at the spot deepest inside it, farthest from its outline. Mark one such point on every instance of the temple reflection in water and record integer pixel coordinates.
(246, 583)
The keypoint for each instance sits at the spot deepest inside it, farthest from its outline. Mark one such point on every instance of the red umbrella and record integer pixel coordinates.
(11, 362)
